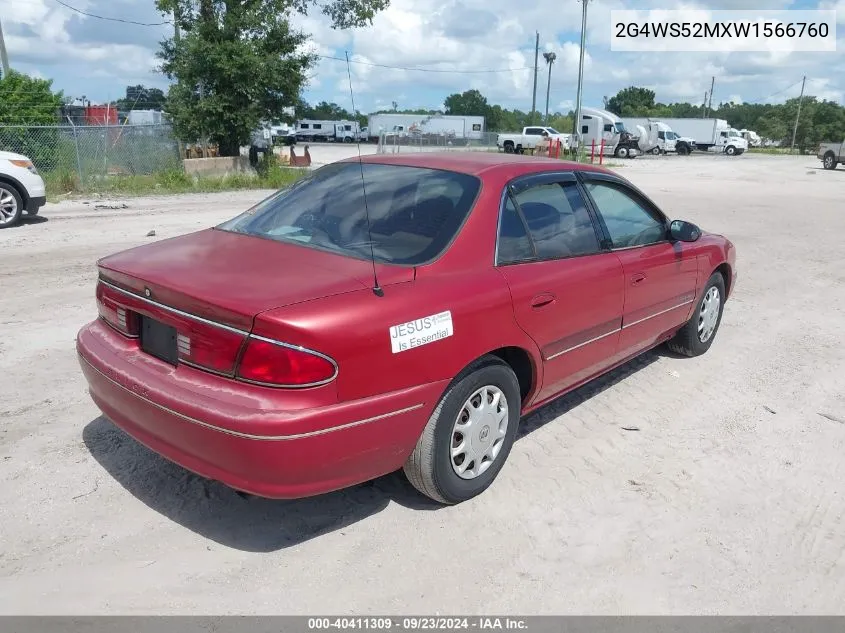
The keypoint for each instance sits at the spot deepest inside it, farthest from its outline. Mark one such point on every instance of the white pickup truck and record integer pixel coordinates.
(831, 154)
(513, 143)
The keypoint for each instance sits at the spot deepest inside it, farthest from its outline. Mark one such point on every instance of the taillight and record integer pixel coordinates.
(208, 347)
(123, 320)
(275, 364)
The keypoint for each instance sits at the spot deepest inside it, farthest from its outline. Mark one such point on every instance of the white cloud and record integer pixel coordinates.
(451, 39)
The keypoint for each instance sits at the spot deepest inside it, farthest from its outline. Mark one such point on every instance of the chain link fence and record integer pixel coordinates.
(80, 156)
(390, 143)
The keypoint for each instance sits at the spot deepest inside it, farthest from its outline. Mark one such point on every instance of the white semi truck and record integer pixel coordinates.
(656, 137)
(710, 135)
(600, 125)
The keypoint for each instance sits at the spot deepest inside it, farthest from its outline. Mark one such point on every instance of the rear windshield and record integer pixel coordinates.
(414, 212)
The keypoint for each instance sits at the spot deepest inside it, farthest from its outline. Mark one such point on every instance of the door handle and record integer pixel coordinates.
(542, 300)
(637, 278)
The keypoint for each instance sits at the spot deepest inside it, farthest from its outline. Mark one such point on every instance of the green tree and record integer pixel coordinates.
(631, 101)
(469, 103)
(141, 98)
(25, 100)
(238, 62)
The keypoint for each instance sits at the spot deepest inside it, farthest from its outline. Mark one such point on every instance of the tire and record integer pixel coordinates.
(730, 150)
(683, 150)
(519, 149)
(11, 206)
(430, 466)
(688, 341)
(829, 160)
(621, 152)
(655, 151)
(508, 147)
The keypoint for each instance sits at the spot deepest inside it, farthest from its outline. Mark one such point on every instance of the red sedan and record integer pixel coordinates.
(400, 311)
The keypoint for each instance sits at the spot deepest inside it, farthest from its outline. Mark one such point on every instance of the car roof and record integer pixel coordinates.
(477, 162)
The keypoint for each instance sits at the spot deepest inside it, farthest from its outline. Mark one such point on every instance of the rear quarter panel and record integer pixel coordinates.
(355, 330)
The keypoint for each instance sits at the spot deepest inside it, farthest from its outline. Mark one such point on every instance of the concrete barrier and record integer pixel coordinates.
(219, 166)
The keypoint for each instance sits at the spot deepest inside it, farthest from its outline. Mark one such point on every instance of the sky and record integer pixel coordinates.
(442, 46)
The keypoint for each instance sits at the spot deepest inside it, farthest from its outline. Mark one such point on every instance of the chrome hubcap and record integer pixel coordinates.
(708, 316)
(8, 206)
(479, 432)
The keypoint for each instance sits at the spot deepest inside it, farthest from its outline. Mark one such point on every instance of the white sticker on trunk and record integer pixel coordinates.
(422, 331)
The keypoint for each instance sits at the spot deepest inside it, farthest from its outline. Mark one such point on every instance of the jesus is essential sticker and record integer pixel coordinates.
(419, 332)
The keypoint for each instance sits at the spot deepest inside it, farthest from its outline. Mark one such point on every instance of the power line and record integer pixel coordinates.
(102, 17)
(427, 70)
(774, 94)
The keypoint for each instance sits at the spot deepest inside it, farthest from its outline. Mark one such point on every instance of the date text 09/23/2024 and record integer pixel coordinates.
(433, 623)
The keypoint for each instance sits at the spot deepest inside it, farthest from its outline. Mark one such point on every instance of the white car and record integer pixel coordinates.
(21, 188)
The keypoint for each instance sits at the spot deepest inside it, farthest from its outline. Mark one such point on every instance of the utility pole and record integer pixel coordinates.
(577, 123)
(550, 59)
(4, 58)
(798, 115)
(536, 57)
(704, 107)
(177, 38)
(710, 102)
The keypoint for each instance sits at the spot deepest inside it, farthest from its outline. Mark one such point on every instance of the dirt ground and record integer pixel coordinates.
(728, 496)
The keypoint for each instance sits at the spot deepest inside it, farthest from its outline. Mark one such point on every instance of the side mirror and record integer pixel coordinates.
(682, 231)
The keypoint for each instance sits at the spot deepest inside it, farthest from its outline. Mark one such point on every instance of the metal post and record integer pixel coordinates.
(4, 58)
(177, 39)
(76, 145)
(577, 124)
(710, 100)
(536, 57)
(798, 115)
(551, 61)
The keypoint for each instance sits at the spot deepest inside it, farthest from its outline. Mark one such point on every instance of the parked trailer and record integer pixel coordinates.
(413, 125)
(327, 130)
(710, 135)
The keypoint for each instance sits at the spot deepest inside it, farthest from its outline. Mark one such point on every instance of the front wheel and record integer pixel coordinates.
(730, 150)
(11, 206)
(469, 435)
(621, 152)
(698, 333)
(656, 151)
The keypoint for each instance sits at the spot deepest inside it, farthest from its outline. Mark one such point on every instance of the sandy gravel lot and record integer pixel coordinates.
(728, 499)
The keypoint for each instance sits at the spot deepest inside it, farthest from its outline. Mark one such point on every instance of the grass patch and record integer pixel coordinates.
(62, 184)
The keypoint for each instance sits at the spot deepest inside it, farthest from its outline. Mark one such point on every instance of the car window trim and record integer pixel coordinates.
(529, 180)
(644, 201)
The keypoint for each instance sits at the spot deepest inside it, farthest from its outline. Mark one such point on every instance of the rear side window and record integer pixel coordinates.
(514, 244)
(558, 220)
(414, 212)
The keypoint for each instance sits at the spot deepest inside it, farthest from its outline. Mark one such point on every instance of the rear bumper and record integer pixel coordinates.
(35, 203)
(247, 437)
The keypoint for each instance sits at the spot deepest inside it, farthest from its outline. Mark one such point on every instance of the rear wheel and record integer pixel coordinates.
(11, 206)
(829, 161)
(469, 435)
(508, 147)
(697, 335)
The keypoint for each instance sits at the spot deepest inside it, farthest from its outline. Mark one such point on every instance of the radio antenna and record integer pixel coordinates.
(376, 288)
